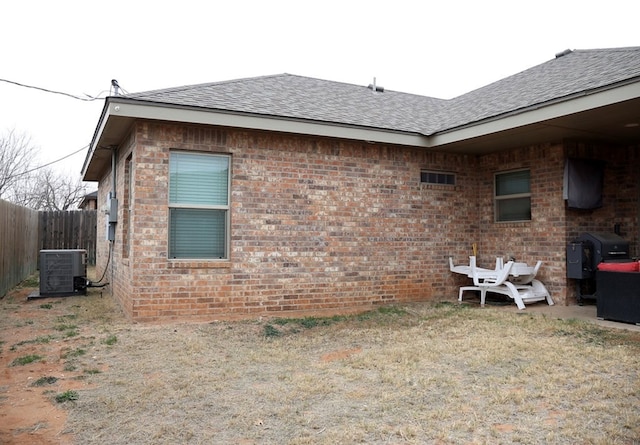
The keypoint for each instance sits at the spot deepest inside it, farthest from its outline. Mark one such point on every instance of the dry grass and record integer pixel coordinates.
(425, 373)
(419, 374)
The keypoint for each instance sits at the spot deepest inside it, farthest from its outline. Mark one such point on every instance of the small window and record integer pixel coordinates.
(198, 206)
(433, 177)
(513, 196)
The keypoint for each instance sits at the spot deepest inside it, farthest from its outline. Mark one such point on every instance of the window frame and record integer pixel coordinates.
(507, 197)
(127, 206)
(225, 208)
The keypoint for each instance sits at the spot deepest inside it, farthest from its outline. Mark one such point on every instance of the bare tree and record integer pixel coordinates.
(23, 183)
(46, 189)
(16, 160)
(57, 192)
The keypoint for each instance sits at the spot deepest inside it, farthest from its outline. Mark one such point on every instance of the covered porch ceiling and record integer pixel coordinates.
(617, 124)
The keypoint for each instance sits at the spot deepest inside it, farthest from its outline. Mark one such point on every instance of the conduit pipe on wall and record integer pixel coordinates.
(113, 172)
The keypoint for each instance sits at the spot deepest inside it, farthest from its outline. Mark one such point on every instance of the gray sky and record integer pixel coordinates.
(433, 48)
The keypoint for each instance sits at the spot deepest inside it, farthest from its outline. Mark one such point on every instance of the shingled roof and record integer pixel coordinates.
(297, 97)
(578, 94)
(302, 98)
(570, 73)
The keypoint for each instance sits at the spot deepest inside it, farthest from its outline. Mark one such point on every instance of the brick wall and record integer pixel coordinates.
(110, 255)
(621, 193)
(316, 224)
(620, 201)
(543, 238)
(552, 224)
(326, 225)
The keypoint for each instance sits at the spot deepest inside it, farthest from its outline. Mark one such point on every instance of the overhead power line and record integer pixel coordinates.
(46, 90)
(49, 163)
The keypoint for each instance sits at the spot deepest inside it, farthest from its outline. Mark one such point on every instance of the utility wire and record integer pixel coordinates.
(49, 163)
(86, 99)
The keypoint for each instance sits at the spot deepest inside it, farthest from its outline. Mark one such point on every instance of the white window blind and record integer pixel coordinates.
(513, 196)
(198, 205)
(198, 179)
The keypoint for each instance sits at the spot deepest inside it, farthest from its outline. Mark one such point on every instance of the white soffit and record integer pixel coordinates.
(537, 114)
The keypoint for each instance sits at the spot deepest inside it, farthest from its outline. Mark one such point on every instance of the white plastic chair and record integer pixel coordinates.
(530, 289)
(528, 278)
(500, 281)
(486, 281)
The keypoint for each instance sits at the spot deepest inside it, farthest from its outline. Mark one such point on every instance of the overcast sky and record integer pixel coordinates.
(433, 48)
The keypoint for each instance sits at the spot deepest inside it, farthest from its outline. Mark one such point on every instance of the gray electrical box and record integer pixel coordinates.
(113, 210)
(111, 231)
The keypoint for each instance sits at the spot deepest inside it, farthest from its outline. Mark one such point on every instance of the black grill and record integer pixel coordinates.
(585, 253)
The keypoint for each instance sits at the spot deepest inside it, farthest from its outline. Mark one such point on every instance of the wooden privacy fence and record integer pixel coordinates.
(24, 232)
(18, 244)
(70, 229)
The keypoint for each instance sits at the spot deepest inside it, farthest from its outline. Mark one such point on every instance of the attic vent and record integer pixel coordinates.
(563, 53)
(375, 88)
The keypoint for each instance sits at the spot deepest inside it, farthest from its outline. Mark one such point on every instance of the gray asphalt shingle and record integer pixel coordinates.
(297, 97)
(574, 73)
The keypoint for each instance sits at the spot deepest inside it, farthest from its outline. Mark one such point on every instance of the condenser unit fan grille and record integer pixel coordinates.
(62, 272)
(59, 273)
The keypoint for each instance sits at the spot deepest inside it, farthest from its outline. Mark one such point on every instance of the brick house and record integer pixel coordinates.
(89, 201)
(286, 194)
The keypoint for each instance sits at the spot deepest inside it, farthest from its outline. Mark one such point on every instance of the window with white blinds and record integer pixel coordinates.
(198, 205)
(513, 196)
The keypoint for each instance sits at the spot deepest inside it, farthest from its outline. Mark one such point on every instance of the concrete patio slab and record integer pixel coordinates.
(586, 312)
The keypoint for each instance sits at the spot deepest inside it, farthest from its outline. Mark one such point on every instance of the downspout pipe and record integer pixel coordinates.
(113, 172)
(113, 197)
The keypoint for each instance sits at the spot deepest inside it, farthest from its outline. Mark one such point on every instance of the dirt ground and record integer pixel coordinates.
(50, 329)
(28, 416)
(426, 373)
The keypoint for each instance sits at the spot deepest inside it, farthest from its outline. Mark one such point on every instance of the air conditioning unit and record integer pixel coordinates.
(63, 273)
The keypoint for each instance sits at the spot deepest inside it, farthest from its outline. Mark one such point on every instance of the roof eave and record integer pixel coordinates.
(539, 113)
(522, 126)
(95, 140)
(125, 111)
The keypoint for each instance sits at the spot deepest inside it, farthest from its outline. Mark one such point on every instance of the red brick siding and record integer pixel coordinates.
(620, 195)
(542, 238)
(110, 255)
(315, 224)
(321, 224)
(553, 225)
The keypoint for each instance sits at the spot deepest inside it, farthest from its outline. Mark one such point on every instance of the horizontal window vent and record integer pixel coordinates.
(441, 178)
